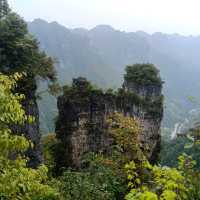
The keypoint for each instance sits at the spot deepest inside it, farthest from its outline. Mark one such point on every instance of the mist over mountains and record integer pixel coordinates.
(101, 54)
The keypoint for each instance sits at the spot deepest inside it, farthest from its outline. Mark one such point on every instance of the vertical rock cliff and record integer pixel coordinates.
(31, 131)
(81, 125)
(149, 111)
(27, 86)
(144, 82)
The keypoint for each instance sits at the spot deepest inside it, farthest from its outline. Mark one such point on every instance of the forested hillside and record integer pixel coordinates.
(101, 54)
(110, 103)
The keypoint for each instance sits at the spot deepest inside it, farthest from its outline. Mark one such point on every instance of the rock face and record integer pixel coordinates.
(82, 127)
(31, 130)
(32, 133)
(150, 115)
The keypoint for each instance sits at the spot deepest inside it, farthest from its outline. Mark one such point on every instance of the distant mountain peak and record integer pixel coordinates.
(103, 28)
(142, 33)
(55, 23)
(80, 31)
(39, 21)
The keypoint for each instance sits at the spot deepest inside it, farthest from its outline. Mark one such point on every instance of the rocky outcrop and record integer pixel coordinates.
(82, 127)
(30, 130)
(81, 124)
(149, 112)
(32, 133)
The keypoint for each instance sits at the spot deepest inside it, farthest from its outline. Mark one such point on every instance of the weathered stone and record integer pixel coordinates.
(30, 130)
(151, 91)
(32, 133)
(150, 122)
(82, 127)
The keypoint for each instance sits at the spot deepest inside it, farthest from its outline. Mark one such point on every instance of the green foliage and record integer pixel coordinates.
(81, 91)
(134, 195)
(186, 148)
(102, 176)
(20, 52)
(154, 182)
(105, 177)
(4, 8)
(191, 174)
(16, 180)
(185, 143)
(49, 143)
(95, 181)
(125, 131)
(154, 108)
(171, 150)
(83, 186)
(146, 181)
(143, 74)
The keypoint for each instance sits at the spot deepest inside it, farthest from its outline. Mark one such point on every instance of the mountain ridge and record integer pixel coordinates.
(175, 34)
(101, 54)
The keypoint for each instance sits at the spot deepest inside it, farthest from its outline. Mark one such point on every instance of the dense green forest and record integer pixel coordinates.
(123, 168)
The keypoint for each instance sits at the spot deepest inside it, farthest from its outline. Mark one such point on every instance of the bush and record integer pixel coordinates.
(16, 180)
(143, 74)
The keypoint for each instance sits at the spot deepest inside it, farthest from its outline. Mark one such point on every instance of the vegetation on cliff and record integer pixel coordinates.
(19, 52)
(143, 74)
(102, 177)
(121, 170)
(127, 99)
(127, 173)
(143, 87)
(17, 181)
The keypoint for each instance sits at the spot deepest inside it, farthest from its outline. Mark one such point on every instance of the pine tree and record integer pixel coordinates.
(4, 8)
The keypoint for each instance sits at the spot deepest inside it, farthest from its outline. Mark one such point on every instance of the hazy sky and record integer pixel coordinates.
(169, 16)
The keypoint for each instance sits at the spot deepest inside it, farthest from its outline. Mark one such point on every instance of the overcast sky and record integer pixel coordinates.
(169, 16)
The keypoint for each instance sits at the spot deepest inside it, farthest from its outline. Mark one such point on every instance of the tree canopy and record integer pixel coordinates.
(4, 8)
(143, 74)
(19, 51)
